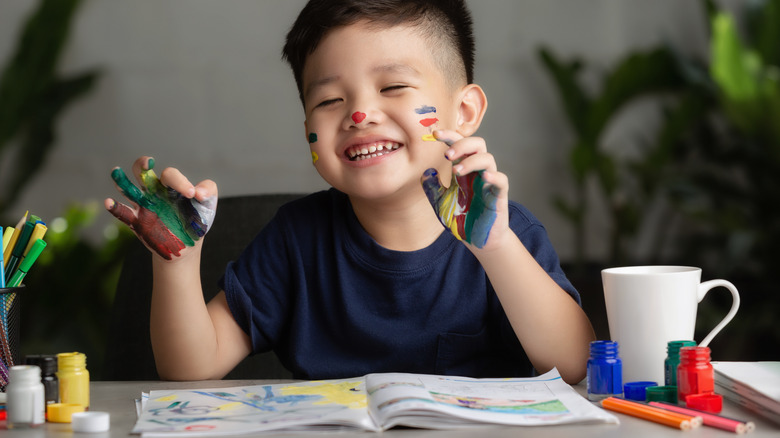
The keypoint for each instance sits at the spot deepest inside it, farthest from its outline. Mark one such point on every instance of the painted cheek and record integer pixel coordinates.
(314, 157)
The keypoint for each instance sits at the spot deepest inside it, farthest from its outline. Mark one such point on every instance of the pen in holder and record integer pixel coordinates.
(9, 331)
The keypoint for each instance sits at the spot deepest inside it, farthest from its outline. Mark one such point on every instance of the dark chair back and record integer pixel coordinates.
(129, 350)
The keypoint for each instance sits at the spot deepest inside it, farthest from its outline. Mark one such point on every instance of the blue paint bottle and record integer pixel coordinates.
(605, 371)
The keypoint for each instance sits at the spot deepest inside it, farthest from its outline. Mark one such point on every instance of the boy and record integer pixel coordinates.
(367, 277)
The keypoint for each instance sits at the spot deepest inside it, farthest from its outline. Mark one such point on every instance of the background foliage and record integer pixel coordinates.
(70, 289)
(711, 169)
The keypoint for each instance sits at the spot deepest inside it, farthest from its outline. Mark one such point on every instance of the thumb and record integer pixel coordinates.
(432, 187)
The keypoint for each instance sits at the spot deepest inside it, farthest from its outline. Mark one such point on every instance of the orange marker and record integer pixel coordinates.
(650, 413)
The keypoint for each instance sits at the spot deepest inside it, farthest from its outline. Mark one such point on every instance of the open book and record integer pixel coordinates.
(373, 403)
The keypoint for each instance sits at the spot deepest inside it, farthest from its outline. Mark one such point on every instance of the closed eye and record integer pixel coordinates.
(328, 102)
(392, 88)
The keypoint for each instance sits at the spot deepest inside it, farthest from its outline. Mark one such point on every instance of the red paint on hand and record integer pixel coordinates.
(358, 117)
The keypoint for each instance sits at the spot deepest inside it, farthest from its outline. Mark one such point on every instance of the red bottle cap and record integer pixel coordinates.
(709, 402)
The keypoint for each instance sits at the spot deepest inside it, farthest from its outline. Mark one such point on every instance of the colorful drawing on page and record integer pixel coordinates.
(164, 219)
(508, 406)
(467, 207)
(261, 405)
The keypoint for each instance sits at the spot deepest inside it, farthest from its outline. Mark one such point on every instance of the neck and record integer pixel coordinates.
(404, 224)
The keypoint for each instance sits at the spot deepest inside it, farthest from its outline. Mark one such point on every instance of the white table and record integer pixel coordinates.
(118, 398)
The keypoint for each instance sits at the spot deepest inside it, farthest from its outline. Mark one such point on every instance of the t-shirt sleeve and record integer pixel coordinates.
(534, 237)
(256, 286)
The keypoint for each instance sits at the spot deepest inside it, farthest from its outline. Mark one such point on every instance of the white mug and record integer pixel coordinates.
(648, 306)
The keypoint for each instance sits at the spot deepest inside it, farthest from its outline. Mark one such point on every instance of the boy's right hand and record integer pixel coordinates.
(169, 215)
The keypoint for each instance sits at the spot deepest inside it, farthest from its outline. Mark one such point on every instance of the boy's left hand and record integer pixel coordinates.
(475, 203)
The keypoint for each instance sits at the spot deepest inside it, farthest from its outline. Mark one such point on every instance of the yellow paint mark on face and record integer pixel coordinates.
(314, 157)
(349, 394)
(429, 137)
(171, 397)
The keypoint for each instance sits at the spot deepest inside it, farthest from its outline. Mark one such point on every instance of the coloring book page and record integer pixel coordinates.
(456, 402)
(321, 405)
(372, 403)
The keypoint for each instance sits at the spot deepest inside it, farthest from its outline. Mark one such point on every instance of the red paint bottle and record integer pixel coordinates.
(695, 374)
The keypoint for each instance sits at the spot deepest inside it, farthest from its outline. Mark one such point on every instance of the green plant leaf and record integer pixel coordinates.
(575, 100)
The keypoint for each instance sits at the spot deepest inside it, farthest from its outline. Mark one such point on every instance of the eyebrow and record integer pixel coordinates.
(394, 67)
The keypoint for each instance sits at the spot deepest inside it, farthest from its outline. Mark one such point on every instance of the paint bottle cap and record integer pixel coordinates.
(636, 390)
(62, 412)
(661, 393)
(708, 402)
(92, 421)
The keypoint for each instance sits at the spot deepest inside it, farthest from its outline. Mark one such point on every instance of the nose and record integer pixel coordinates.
(361, 116)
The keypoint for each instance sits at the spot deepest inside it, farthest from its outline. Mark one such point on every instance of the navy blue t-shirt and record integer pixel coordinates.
(332, 303)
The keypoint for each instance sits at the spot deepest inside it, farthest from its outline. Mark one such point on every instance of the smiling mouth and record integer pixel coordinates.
(366, 151)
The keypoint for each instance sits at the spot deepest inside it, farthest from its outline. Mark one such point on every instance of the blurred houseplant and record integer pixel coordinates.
(713, 163)
(69, 291)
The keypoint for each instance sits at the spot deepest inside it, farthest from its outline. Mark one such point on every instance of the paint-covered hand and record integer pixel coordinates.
(166, 220)
(469, 206)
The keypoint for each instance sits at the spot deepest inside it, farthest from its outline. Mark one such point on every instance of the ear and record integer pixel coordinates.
(471, 109)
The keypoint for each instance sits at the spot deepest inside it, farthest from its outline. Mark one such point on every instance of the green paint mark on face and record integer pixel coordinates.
(312, 137)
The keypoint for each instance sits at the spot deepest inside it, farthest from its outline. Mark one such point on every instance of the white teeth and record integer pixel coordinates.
(372, 151)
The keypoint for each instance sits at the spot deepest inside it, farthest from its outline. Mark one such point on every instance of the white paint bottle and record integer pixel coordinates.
(26, 402)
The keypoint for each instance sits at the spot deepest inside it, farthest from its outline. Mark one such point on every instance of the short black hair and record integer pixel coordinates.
(445, 21)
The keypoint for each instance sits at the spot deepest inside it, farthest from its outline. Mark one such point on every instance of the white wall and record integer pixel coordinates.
(199, 84)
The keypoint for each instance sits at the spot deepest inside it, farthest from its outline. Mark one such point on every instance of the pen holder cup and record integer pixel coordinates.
(9, 327)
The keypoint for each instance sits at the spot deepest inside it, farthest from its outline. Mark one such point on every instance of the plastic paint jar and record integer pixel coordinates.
(605, 371)
(695, 374)
(673, 360)
(74, 378)
(25, 397)
(48, 365)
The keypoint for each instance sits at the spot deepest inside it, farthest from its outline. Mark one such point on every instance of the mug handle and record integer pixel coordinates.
(703, 289)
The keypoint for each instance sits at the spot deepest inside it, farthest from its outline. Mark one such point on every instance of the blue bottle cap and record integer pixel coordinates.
(636, 390)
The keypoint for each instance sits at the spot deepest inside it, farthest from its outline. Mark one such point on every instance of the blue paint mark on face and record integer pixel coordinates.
(425, 109)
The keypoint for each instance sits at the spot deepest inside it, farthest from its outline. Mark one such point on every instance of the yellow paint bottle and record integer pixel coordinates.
(74, 378)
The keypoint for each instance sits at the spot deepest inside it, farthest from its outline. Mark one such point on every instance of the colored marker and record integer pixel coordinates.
(8, 245)
(38, 232)
(18, 252)
(27, 263)
(9, 231)
(709, 419)
(2, 268)
(650, 413)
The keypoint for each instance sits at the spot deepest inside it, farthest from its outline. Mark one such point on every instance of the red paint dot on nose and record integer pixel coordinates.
(358, 117)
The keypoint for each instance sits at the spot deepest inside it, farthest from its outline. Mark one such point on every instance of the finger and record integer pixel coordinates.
(447, 136)
(142, 163)
(205, 191)
(127, 188)
(173, 178)
(475, 163)
(466, 147)
(120, 211)
(432, 186)
(497, 184)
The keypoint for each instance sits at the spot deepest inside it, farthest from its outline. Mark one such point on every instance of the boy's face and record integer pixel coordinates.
(369, 95)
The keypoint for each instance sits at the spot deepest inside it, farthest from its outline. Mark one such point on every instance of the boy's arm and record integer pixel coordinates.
(551, 326)
(190, 340)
